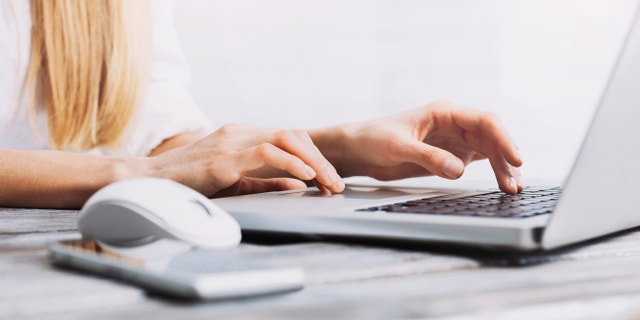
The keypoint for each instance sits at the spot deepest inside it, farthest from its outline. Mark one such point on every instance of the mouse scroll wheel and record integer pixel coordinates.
(203, 206)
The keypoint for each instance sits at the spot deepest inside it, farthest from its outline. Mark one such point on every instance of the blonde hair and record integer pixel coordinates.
(87, 67)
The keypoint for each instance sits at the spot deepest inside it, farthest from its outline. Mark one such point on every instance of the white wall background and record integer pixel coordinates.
(540, 64)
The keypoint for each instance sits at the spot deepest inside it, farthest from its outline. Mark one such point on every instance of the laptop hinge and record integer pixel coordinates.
(537, 233)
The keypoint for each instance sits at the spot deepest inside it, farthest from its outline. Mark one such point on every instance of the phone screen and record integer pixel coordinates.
(175, 268)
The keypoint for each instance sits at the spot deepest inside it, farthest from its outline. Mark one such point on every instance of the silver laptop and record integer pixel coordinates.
(599, 197)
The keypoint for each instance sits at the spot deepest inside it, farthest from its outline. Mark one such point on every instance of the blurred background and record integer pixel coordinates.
(540, 64)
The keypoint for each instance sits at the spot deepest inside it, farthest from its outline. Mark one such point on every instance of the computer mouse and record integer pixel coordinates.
(139, 211)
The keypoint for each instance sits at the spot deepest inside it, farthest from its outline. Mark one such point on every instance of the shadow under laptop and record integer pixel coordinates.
(484, 255)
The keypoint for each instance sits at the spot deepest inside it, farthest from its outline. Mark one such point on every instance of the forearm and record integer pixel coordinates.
(55, 179)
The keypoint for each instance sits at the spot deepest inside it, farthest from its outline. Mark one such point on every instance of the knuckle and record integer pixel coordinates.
(490, 119)
(442, 106)
(442, 103)
(301, 134)
(288, 137)
(263, 150)
(490, 116)
(235, 176)
(280, 136)
(228, 128)
(441, 109)
(224, 152)
(428, 156)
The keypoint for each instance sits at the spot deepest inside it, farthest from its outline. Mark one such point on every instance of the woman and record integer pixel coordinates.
(94, 92)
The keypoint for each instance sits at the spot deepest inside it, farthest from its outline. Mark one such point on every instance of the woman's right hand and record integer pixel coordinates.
(218, 164)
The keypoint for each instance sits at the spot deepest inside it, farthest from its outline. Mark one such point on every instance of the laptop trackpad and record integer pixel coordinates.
(362, 193)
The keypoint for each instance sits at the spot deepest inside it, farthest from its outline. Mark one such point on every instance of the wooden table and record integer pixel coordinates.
(344, 280)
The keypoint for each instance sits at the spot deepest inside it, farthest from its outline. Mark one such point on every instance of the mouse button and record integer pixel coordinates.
(204, 207)
(116, 222)
(209, 232)
(192, 217)
(211, 209)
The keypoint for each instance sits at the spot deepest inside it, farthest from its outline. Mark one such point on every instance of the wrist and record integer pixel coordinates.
(129, 168)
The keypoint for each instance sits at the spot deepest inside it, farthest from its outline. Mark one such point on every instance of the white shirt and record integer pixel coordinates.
(167, 108)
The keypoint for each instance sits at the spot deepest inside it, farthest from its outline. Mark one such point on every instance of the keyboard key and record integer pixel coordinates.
(531, 202)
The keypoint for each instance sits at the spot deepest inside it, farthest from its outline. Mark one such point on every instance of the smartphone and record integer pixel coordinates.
(176, 269)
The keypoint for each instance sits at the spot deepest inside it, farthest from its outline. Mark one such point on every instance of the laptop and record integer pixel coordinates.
(598, 198)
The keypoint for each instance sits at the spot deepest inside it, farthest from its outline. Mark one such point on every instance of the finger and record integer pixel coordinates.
(518, 176)
(489, 125)
(268, 154)
(507, 182)
(249, 185)
(437, 161)
(255, 185)
(505, 173)
(298, 143)
(320, 186)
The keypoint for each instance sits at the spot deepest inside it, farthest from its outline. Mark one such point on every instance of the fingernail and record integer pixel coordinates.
(517, 153)
(332, 175)
(309, 172)
(452, 168)
(337, 183)
(513, 184)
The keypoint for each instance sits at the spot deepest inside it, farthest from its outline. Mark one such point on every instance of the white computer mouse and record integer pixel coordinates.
(142, 210)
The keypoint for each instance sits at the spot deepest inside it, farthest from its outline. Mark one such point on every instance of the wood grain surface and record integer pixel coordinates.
(599, 280)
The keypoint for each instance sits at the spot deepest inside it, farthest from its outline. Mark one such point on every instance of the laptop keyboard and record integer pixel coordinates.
(530, 202)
